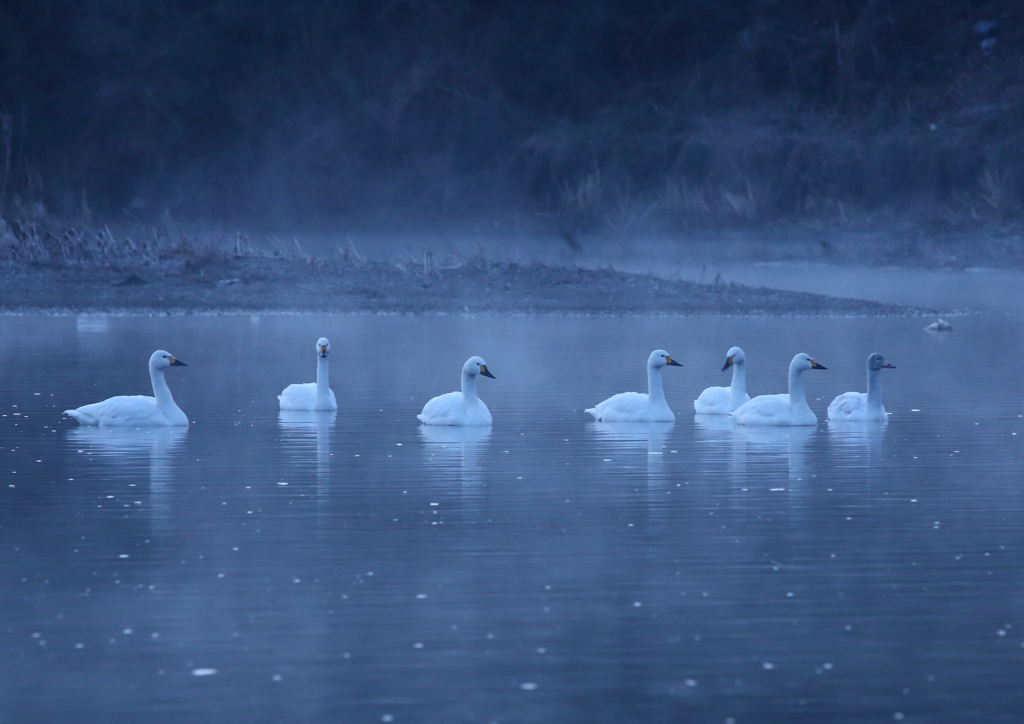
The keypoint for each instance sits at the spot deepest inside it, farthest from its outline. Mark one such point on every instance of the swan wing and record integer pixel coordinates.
(765, 410)
(122, 411)
(303, 397)
(854, 406)
(631, 407)
(713, 401)
(446, 409)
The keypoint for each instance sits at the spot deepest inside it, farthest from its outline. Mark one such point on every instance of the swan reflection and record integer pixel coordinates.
(135, 450)
(859, 444)
(763, 444)
(636, 437)
(454, 451)
(307, 431)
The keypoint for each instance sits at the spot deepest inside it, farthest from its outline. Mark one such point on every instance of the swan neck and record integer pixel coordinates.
(739, 382)
(874, 388)
(323, 382)
(161, 392)
(655, 392)
(468, 386)
(796, 389)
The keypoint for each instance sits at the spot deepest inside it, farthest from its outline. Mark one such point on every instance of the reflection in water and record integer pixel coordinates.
(310, 431)
(715, 432)
(129, 448)
(640, 437)
(788, 442)
(456, 448)
(859, 444)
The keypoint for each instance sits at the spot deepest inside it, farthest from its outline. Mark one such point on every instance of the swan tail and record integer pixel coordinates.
(594, 411)
(82, 418)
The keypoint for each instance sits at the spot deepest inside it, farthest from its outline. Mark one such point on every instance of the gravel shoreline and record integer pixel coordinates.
(247, 284)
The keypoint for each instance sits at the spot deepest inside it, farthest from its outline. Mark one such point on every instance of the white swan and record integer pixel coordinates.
(860, 406)
(637, 406)
(460, 408)
(723, 400)
(788, 409)
(312, 395)
(138, 410)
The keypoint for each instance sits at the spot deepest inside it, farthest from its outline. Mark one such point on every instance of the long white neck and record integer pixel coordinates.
(874, 389)
(323, 382)
(161, 391)
(468, 386)
(738, 389)
(796, 390)
(655, 392)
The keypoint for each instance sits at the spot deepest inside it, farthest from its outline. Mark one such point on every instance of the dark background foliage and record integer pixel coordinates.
(600, 114)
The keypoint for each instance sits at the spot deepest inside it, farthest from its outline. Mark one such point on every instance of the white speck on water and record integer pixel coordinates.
(768, 665)
(691, 682)
(1000, 632)
(123, 555)
(528, 686)
(127, 631)
(914, 409)
(637, 604)
(282, 483)
(203, 672)
(276, 677)
(421, 595)
(607, 460)
(417, 645)
(542, 650)
(387, 717)
(826, 666)
(898, 716)
(79, 646)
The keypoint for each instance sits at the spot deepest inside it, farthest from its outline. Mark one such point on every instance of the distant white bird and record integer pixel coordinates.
(138, 410)
(723, 400)
(860, 406)
(312, 395)
(789, 409)
(941, 326)
(637, 406)
(460, 408)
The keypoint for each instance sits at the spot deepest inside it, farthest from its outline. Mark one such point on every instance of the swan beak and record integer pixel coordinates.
(323, 350)
(671, 362)
(728, 363)
(486, 372)
(816, 366)
(888, 366)
(175, 362)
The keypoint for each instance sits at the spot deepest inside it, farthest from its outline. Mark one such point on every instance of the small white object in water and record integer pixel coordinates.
(940, 326)
(203, 672)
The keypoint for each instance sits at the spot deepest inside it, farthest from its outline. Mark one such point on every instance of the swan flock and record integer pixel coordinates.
(465, 408)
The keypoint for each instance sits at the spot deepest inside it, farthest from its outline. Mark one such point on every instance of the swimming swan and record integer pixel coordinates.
(460, 408)
(788, 409)
(138, 410)
(723, 400)
(858, 406)
(312, 395)
(637, 406)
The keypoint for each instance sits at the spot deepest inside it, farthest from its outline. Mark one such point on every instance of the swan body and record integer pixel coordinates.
(637, 406)
(460, 408)
(861, 406)
(138, 410)
(723, 400)
(312, 395)
(787, 409)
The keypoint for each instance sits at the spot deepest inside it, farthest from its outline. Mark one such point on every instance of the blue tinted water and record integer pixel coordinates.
(357, 567)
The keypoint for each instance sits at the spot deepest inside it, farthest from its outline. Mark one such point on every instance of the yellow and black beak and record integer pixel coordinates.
(176, 362)
(485, 372)
(816, 366)
(671, 362)
(323, 350)
(728, 363)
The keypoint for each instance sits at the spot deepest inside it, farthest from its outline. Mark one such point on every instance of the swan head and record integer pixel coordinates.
(877, 362)
(660, 358)
(476, 366)
(804, 362)
(734, 356)
(161, 360)
(323, 347)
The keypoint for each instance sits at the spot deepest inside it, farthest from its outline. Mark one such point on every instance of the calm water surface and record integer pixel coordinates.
(357, 567)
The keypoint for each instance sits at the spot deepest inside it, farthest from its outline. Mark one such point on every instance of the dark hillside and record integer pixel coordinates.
(580, 114)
